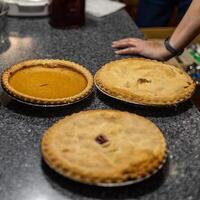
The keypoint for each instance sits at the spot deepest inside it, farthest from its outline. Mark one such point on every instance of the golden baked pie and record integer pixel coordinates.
(48, 81)
(104, 146)
(144, 81)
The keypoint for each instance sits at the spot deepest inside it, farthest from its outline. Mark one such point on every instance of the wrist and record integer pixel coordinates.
(171, 48)
(164, 53)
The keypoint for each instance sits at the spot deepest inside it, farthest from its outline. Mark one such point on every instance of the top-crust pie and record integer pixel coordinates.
(48, 81)
(104, 146)
(144, 81)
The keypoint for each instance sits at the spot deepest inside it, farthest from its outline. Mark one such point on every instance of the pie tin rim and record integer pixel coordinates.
(45, 105)
(133, 102)
(117, 184)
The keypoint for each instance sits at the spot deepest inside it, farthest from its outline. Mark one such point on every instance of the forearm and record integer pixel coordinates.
(188, 28)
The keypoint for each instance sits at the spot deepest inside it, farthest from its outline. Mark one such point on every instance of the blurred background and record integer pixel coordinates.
(165, 25)
(157, 19)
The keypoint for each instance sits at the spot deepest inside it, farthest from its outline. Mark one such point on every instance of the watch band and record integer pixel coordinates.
(171, 49)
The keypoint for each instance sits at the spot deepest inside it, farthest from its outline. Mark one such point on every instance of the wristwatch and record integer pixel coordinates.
(171, 49)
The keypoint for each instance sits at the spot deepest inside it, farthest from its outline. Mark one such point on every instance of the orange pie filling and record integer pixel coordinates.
(48, 82)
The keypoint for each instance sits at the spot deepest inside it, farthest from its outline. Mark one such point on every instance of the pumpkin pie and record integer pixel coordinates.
(48, 81)
(104, 146)
(145, 81)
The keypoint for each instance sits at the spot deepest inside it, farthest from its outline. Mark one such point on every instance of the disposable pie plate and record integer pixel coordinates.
(109, 95)
(47, 83)
(43, 105)
(126, 183)
(133, 102)
(73, 154)
(121, 184)
(137, 69)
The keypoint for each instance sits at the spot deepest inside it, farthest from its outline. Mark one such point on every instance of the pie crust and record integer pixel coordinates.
(144, 81)
(48, 81)
(104, 146)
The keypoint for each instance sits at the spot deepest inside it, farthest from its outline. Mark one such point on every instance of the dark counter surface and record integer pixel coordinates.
(23, 174)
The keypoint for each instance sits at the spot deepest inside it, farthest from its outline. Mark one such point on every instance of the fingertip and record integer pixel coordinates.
(120, 52)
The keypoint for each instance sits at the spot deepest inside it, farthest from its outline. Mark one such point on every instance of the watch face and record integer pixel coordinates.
(194, 71)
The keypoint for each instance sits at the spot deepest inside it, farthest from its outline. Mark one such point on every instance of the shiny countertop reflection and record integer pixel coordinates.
(24, 175)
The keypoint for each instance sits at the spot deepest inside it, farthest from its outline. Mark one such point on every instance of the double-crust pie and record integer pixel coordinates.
(104, 146)
(48, 81)
(145, 81)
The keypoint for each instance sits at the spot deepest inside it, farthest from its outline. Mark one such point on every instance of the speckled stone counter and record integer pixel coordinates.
(23, 174)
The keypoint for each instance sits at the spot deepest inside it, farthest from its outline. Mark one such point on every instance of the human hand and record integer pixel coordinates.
(147, 48)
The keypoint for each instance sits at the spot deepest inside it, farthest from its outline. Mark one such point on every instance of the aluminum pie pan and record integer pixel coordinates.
(118, 184)
(43, 105)
(134, 102)
(131, 182)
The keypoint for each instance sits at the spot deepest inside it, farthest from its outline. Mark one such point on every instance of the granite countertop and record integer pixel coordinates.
(23, 174)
